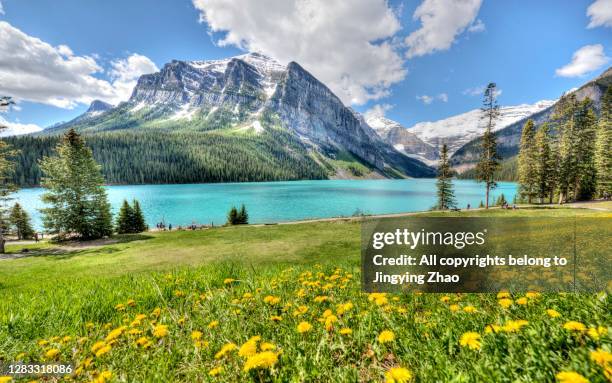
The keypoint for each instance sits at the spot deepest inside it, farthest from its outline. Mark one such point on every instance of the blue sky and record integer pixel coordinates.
(435, 74)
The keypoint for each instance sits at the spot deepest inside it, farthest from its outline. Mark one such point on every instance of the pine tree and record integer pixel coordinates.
(567, 169)
(243, 216)
(139, 224)
(585, 182)
(489, 159)
(125, 218)
(446, 195)
(545, 164)
(501, 200)
(527, 162)
(603, 146)
(6, 171)
(74, 183)
(232, 216)
(20, 220)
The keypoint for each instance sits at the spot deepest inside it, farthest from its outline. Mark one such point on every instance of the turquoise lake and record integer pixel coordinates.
(269, 202)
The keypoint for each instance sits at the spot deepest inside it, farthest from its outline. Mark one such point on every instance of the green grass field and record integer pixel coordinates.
(169, 306)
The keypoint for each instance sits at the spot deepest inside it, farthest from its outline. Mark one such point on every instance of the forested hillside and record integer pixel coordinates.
(157, 158)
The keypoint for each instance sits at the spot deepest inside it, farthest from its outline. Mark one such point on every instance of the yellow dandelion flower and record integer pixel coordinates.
(160, 331)
(266, 346)
(503, 294)
(98, 345)
(247, 296)
(120, 307)
(329, 322)
(398, 375)
(179, 293)
(532, 295)
(52, 353)
(571, 377)
(514, 325)
(156, 312)
(601, 357)
(5, 379)
(227, 348)
(346, 331)
(213, 324)
(592, 333)
(553, 313)
(271, 300)
(262, 360)
(103, 377)
(43, 342)
(386, 336)
(321, 298)
(521, 301)
(215, 371)
(196, 335)
(227, 281)
(131, 302)
(103, 350)
(303, 327)
(66, 339)
(301, 310)
(574, 326)
(134, 331)
(469, 309)
(445, 299)
(201, 343)
(471, 340)
(116, 333)
(505, 302)
(249, 348)
(144, 342)
(492, 328)
(453, 308)
(276, 318)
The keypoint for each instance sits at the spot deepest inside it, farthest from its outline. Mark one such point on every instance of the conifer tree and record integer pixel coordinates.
(78, 203)
(567, 170)
(243, 216)
(527, 162)
(446, 195)
(6, 171)
(232, 216)
(501, 200)
(603, 147)
(125, 218)
(138, 221)
(545, 164)
(489, 159)
(20, 220)
(585, 182)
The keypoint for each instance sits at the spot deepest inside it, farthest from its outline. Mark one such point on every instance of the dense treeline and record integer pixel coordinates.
(162, 157)
(507, 171)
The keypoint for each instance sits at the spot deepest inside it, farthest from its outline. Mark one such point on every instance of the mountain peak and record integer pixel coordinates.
(98, 106)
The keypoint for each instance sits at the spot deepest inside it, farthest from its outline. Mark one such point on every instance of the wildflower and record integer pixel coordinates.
(592, 333)
(386, 336)
(201, 343)
(492, 328)
(553, 313)
(156, 312)
(300, 310)
(265, 359)
(571, 377)
(144, 342)
(327, 313)
(5, 379)
(346, 331)
(276, 318)
(131, 302)
(469, 309)
(574, 326)
(120, 307)
(43, 342)
(471, 340)
(116, 333)
(134, 331)
(66, 339)
(228, 281)
(103, 350)
(52, 353)
(249, 348)
(532, 295)
(160, 331)
(344, 307)
(103, 377)
(521, 301)
(453, 308)
(227, 348)
(329, 322)
(181, 321)
(514, 325)
(246, 296)
(503, 294)
(380, 299)
(303, 327)
(445, 299)
(271, 300)
(265, 346)
(321, 298)
(601, 357)
(398, 375)
(96, 346)
(505, 302)
(196, 335)
(215, 371)
(213, 324)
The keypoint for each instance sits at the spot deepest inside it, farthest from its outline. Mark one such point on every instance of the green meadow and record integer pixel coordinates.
(281, 303)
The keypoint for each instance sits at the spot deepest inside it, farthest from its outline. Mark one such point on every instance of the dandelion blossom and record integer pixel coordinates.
(52, 353)
(276, 318)
(266, 346)
(249, 348)
(213, 324)
(196, 335)
(5, 379)
(386, 336)
(553, 313)
(601, 357)
(160, 331)
(303, 327)
(471, 340)
(215, 371)
(521, 301)
(262, 360)
(574, 326)
(346, 331)
(398, 375)
(103, 350)
(571, 377)
(505, 302)
(227, 348)
(469, 309)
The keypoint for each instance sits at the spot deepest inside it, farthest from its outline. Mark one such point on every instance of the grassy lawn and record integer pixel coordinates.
(162, 306)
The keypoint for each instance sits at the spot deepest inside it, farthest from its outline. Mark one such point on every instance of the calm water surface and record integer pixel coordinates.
(269, 202)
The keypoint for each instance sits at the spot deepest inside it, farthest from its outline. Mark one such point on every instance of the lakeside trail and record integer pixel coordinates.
(75, 246)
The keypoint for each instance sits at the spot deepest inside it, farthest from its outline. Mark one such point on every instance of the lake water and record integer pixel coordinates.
(269, 202)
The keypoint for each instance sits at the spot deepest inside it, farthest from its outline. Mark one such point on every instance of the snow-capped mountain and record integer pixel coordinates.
(423, 140)
(250, 94)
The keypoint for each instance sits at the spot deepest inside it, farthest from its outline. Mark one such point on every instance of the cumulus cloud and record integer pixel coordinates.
(477, 26)
(33, 70)
(15, 128)
(425, 99)
(600, 13)
(584, 60)
(125, 74)
(377, 111)
(479, 91)
(443, 97)
(346, 44)
(441, 22)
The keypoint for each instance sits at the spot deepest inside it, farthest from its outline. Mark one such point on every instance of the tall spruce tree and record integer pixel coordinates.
(138, 221)
(232, 216)
(125, 218)
(20, 221)
(527, 162)
(545, 164)
(79, 205)
(488, 162)
(567, 169)
(446, 195)
(603, 147)
(6, 172)
(585, 182)
(243, 216)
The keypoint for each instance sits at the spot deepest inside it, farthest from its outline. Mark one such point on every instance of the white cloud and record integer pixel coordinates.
(441, 22)
(443, 97)
(477, 26)
(584, 60)
(1, 9)
(345, 44)
(16, 128)
(425, 99)
(479, 91)
(33, 70)
(125, 74)
(600, 13)
(378, 110)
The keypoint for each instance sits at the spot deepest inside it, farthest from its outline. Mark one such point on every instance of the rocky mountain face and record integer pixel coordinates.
(250, 94)
(508, 138)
